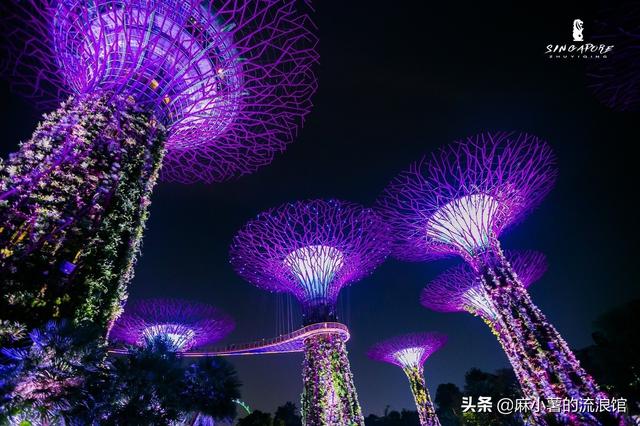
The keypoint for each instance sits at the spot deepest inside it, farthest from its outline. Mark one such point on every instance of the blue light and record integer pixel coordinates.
(315, 268)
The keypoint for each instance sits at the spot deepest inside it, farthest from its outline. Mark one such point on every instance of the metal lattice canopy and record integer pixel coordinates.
(183, 324)
(459, 289)
(230, 80)
(462, 197)
(408, 350)
(311, 249)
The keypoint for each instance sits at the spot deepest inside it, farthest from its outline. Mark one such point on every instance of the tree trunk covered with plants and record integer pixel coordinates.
(73, 204)
(421, 396)
(329, 396)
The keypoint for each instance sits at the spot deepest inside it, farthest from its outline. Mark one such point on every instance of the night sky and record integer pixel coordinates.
(398, 80)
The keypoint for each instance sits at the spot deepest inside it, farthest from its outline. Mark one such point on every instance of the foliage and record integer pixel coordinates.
(64, 377)
(501, 384)
(613, 358)
(421, 396)
(210, 387)
(146, 386)
(11, 331)
(329, 396)
(154, 386)
(256, 418)
(287, 415)
(73, 204)
(393, 418)
(54, 376)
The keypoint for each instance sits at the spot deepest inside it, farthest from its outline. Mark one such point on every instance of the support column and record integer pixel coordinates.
(426, 411)
(73, 204)
(329, 397)
(542, 360)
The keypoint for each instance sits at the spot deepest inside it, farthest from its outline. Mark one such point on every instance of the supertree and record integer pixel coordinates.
(204, 89)
(458, 201)
(615, 79)
(312, 249)
(181, 324)
(460, 290)
(409, 352)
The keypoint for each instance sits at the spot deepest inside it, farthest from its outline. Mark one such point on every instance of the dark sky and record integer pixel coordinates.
(398, 79)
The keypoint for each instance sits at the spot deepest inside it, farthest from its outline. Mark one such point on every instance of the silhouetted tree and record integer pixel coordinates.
(146, 386)
(501, 384)
(613, 358)
(153, 386)
(287, 415)
(256, 418)
(449, 402)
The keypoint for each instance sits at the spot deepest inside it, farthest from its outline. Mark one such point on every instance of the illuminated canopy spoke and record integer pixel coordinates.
(231, 81)
(311, 249)
(182, 324)
(179, 336)
(315, 267)
(466, 222)
(407, 350)
(410, 357)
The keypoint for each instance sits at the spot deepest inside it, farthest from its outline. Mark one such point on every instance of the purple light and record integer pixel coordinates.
(464, 222)
(230, 81)
(459, 289)
(311, 249)
(190, 90)
(409, 352)
(460, 199)
(183, 324)
(315, 267)
(67, 267)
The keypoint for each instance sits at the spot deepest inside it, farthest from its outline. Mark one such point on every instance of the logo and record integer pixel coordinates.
(578, 26)
(578, 49)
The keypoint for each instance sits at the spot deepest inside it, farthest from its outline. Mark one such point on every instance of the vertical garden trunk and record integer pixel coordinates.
(426, 412)
(73, 204)
(542, 360)
(329, 397)
(522, 366)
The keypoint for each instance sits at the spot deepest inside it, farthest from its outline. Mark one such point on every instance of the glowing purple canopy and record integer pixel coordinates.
(182, 323)
(231, 80)
(458, 288)
(459, 200)
(407, 350)
(310, 249)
